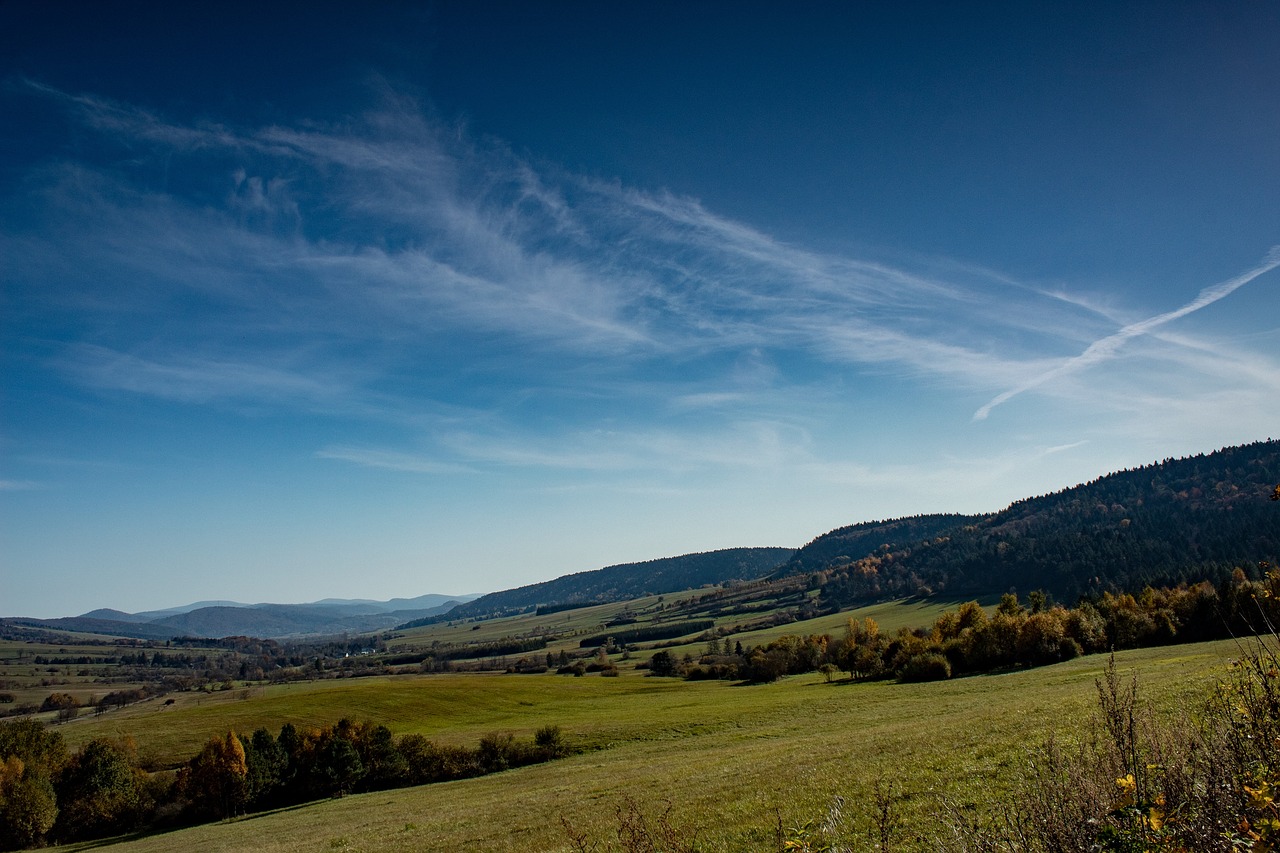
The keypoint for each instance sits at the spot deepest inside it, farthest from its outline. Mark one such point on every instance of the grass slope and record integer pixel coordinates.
(454, 708)
(731, 760)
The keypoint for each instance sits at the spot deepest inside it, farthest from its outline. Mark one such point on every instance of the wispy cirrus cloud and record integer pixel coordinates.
(414, 217)
(390, 263)
(754, 444)
(392, 460)
(193, 379)
(630, 451)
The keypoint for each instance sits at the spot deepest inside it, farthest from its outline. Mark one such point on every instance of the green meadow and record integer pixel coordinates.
(458, 708)
(732, 762)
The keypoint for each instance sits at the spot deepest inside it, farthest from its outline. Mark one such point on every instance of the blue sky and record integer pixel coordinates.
(314, 301)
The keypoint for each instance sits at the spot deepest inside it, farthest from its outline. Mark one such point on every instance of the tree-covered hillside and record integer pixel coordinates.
(856, 540)
(630, 580)
(1174, 521)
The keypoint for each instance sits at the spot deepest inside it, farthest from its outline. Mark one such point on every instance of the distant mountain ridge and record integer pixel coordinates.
(271, 621)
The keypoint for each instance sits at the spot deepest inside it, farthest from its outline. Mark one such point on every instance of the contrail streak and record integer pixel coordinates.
(1105, 348)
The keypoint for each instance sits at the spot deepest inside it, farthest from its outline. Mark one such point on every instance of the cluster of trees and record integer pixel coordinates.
(493, 649)
(65, 704)
(968, 640)
(600, 664)
(233, 775)
(544, 609)
(655, 631)
(47, 794)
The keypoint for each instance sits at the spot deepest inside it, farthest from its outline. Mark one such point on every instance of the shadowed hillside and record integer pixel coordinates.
(1175, 521)
(628, 580)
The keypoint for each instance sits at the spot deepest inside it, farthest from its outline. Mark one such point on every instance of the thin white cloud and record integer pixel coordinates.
(192, 380)
(709, 399)
(763, 445)
(1106, 348)
(750, 445)
(1061, 448)
(392, 460)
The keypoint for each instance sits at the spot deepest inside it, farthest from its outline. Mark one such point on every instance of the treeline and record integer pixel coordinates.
(50, 796)
(968, 640)
(661, 631)
(544, 609)
(494, 649)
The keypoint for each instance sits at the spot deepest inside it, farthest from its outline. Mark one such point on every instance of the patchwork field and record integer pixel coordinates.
(567, 626)
(86, 669)
(732, 762)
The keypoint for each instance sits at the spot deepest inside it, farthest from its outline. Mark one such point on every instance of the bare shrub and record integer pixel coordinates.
(637, 832)
(1206, 781)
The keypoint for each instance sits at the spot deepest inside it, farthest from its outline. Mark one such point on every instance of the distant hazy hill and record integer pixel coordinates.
(107, 627)
(151, 615)
(1173, 521)
(282, 620)
(228, 619)
(631, 580)
(112, 615)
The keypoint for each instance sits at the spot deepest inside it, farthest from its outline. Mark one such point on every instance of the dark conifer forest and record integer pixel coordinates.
(1176, 521)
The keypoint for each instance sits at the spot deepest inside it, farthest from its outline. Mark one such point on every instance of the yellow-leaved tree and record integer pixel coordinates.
(215, 779)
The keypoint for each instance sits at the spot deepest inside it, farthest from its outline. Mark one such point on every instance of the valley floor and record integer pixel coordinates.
(733, 762)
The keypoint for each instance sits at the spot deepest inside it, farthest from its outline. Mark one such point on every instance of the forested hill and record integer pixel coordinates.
(857, 540)
(629, 580)
(1177, 520)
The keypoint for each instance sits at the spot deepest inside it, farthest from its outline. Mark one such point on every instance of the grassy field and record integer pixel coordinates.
(730, 760)
(454, 708)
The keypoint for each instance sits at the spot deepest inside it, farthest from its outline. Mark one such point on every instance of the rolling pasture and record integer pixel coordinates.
(564, 628)
(733, 762)
(456, 708)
